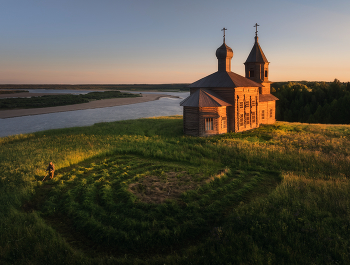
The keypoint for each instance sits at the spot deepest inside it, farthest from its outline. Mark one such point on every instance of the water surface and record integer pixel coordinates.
(34, 123)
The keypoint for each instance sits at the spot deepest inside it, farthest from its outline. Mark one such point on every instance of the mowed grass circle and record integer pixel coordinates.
(109, 200)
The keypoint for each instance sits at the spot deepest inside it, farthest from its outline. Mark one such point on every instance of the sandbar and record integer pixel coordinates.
(103, 103)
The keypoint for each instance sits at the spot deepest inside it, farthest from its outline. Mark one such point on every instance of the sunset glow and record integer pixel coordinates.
(131, 42)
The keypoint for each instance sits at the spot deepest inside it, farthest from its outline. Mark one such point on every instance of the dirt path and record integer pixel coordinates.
(91, 105)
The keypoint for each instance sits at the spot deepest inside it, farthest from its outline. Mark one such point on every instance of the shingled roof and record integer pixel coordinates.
(256, 54)
(204, 98)
(224, 79)
(267, 97)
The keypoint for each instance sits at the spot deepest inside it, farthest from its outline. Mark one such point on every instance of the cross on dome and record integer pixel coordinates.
(256, 29)
(223, 29)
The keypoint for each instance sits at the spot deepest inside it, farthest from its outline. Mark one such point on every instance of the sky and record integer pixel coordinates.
(169, 41)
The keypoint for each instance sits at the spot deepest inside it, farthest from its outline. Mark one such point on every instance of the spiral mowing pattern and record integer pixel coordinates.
(98, 199)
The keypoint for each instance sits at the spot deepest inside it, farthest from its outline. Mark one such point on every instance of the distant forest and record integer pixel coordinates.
(312, 102)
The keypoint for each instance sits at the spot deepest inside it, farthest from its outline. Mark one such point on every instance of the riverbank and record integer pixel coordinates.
(4, 114)
(28, 95)
(131, 87)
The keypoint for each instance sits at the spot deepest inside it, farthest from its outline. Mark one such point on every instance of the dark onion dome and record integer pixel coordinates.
(224, 51)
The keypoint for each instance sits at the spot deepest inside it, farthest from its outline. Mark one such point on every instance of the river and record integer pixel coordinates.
(35, 123)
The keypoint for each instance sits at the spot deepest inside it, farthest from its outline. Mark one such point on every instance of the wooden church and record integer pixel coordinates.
(227, 102)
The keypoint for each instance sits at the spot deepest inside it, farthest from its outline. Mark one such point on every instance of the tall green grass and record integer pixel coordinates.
(248, 216)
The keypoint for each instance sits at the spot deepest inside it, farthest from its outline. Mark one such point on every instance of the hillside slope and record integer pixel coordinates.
(140, 192)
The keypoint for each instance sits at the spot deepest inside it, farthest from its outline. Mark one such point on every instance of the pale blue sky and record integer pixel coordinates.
(163, 41)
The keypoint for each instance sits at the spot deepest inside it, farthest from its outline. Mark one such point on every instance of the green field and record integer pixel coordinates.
(140, 192)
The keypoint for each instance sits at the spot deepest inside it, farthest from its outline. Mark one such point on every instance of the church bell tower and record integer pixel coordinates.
(257, 66)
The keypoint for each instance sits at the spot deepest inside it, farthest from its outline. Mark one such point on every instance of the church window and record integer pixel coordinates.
(241, 105)
(223, 123)
(271, 111)
(253, 117)
(209, 126)
(251, 73)
(247, 104)
(263, 114)
(241, 121)
(247, 119)
(265, 73)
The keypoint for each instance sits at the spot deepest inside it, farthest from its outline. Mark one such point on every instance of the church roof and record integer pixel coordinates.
(204, 98)
(224, 79)
(256, 54)
(267, 97)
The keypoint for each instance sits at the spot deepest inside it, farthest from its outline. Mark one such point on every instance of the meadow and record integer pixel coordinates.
(140, 192)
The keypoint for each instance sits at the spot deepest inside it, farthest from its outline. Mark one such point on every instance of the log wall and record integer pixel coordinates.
(195, 118)
(244, 114)
(218, 114)
(229, 95)
(191, 121)
(267, 112)
(246, 109)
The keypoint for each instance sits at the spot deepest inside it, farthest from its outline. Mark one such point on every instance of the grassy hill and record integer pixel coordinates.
(140, 192)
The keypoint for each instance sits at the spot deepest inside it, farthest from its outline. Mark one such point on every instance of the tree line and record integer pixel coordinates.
(312, 102)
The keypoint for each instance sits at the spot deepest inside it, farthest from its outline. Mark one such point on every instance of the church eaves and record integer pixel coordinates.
(267, 97)
(204, 98)
(224, 79)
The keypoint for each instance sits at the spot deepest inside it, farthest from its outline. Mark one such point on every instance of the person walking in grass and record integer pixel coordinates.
(51, 169)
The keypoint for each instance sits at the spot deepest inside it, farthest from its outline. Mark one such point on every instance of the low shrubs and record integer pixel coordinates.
(59, 100)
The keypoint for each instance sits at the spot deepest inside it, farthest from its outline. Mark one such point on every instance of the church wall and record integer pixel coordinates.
(217, 114)
(265, 89)
(191, 121)
(264, 79)
(245, 109)
(194, 120)
(267, 112)
(229, 95)
(257, 71)
(259, 75)
(223, 121)
(271, 105)
(264, 67)
(226, 93)
(263, 112)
